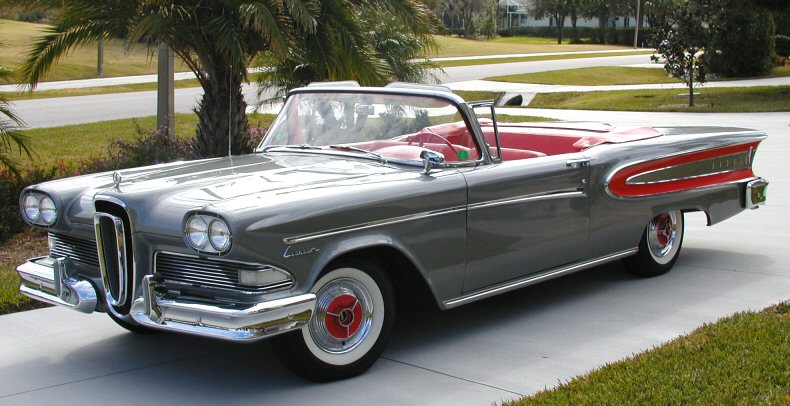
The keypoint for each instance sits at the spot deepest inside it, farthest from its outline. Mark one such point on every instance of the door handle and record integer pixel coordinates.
(578, 163)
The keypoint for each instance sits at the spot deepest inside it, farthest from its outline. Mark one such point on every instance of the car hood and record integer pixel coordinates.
(157, 197)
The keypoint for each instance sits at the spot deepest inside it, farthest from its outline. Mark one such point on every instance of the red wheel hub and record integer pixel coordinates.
(664, 229)
(343, 316)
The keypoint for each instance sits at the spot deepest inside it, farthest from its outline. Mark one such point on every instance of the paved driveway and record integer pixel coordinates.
(481, 353)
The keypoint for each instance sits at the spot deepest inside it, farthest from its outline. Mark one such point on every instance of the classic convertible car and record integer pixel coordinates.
(359, 197)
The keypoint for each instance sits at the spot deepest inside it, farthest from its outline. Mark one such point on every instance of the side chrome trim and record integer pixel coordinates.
(558, 194)
(533, 279)
(618, 168)
(364, 226)
(693, 170)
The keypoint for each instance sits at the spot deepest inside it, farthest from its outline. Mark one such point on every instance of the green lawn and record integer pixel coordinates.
(455, 46)
(600, 75)
(743, 359)
(610, 75)
(720, 100)
(80, 64)
(492, 61)
(27, 244)
(76, 142)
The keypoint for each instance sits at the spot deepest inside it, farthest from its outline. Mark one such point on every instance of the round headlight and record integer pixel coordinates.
(219, 235)
(197, 232)
(30, 208)
(47, 211)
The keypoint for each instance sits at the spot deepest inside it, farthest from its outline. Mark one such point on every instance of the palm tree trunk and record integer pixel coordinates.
(222, 111)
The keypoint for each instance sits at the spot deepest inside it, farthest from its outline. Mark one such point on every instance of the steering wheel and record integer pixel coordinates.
(423, 136)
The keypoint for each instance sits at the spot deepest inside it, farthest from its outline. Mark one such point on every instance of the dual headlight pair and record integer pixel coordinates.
(39, 209)
(208, 234)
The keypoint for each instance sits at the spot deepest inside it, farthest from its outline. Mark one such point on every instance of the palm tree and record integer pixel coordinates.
(217, 39)
(386, 52)
(10, 137)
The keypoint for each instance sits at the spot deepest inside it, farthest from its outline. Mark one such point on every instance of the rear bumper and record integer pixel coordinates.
(48, 280)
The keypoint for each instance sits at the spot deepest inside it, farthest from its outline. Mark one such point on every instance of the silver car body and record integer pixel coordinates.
(466, 229)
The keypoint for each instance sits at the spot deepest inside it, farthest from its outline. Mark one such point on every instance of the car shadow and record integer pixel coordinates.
(214, 371)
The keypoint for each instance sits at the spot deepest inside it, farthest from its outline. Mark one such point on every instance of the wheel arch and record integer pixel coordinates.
(410, 284)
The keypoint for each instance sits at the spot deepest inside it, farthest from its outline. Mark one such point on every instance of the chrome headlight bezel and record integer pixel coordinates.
(39, 209)
(48, 212)
(198, 233)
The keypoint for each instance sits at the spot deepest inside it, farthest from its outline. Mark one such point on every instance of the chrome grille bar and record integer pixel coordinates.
(111, 244)
(80, 250)
(209, 273)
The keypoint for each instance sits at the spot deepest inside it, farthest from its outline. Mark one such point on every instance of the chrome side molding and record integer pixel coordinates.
(533, 279)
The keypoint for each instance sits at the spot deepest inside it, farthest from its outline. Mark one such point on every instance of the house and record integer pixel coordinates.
(515, 13)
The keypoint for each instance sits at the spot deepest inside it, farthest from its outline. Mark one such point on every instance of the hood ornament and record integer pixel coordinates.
(117, 178)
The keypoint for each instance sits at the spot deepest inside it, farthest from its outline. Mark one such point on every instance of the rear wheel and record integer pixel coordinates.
(354, 314)
(659, 247)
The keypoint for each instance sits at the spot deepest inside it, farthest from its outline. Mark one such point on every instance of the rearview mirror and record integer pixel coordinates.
(430, 160)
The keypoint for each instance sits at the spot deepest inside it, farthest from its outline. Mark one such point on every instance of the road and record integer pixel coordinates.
(485, 352)
(54, 112)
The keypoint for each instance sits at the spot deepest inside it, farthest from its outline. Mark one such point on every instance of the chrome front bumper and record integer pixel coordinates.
(48, 280)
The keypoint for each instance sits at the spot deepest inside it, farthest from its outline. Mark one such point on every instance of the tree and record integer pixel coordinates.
(488, 28)
(218, 39)
(468, 11)
(10, 137)
(743, 40)
(399, 54)
(556, 9)
(681, 39)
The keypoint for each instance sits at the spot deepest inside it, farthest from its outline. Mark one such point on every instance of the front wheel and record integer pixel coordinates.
(659, 247)
(354, 314)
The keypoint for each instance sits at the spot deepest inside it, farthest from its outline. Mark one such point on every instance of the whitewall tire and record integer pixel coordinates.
(355, 310)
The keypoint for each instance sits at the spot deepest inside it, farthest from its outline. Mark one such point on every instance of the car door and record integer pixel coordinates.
(524, 217)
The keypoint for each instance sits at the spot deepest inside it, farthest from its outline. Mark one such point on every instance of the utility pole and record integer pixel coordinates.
(165, 98)
(636, 32)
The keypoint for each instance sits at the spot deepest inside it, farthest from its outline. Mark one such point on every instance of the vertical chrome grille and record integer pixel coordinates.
(113, 257)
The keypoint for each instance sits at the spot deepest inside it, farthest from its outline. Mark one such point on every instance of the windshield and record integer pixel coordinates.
(391, 127)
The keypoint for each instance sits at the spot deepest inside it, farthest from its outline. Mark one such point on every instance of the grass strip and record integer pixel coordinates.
(73, 143)
(493, 61)
(11, 301)
(710, 100)
(741, 359)
(87, 91)
(596, 76)
(611, 75)
(449, 46)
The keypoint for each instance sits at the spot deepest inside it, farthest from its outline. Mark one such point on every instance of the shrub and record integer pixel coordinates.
(616, 36)
(147, 148)
(742, 42)
(782, 45)
(11, 186)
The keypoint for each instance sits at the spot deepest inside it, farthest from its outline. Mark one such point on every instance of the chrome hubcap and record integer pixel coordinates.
(662, 234)
(344, 314)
